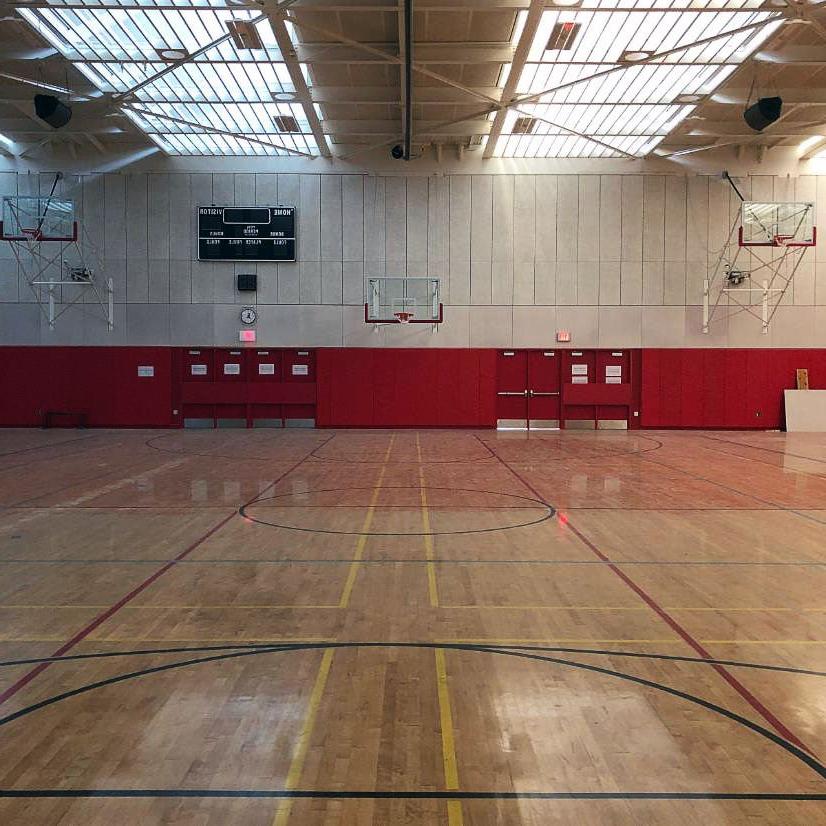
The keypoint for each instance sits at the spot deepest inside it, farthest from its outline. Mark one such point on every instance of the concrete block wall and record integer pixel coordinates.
(618, 260)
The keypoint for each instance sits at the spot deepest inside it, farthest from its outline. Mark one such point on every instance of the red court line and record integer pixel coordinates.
(675, 626)
(112, 610)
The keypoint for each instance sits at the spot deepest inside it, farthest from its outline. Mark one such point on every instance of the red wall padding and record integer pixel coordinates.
(406, 388)
(399, 387)
(101, 382)
(722, 388)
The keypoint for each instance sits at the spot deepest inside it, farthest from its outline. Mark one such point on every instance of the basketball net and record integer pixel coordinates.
(403, 317)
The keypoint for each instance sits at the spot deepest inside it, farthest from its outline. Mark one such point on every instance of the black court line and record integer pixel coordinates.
(312, 794)
(765, 449)
(50, 445)
(795, 751)
(730, 489)
(548, 512)
(765, 462)
(607, 652)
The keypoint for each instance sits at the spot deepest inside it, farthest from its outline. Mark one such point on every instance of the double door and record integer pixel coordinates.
(528, 390)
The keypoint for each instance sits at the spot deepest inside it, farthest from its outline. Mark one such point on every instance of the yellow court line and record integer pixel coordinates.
(302, 745)
(260, 607)
(454, 807)
(432, 588)
(363, 535)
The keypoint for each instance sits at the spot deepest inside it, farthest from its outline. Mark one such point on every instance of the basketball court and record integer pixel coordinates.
(412, 413)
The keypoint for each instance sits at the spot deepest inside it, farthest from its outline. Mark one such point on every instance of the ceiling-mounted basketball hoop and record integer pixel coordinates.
(60, 269)
(785, 230)
(403, 301)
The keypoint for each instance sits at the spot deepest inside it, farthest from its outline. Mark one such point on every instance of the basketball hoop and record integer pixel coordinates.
(33, 234)
(403, 317)
(782, 240)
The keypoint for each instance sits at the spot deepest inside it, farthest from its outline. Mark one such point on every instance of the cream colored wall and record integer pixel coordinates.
(618, 259)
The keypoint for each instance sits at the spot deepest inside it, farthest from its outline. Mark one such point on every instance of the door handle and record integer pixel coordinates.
(512, 393)
(540, 393)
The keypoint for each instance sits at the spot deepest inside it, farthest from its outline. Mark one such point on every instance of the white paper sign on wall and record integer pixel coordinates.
(613, 370)
(579, 369)
(579, 379)
(301, 370)
(146, 371)
(198, 369)
(232, 369)
(266, 369)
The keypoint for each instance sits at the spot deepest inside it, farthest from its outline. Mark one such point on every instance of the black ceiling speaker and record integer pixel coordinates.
(53, 111)
(763, 113)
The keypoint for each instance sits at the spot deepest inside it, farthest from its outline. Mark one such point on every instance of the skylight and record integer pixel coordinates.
(220, 102)
(624, 73)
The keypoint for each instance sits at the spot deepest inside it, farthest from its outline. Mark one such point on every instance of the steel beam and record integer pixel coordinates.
(520, 57)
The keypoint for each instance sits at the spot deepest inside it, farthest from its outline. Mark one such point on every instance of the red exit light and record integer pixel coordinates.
(563, 335)
(246, 335)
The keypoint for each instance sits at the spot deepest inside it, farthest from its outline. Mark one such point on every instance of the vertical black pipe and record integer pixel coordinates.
(408, 78)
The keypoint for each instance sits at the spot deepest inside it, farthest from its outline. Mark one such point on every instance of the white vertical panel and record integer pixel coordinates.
(289, 194)
(266, 189)
(566, 282)
(137, 252)
(438, 232)
(203, 273)
(115, 215)
(524, 273)
(502, 282)
(502, 226)
(697, 219)
(820, 222)
(158, 215)
(352, 217)
(374, 208)
(524, 220)
(587, 282)
(567, 220)
(610, 218)
(632, 186)
(310, 282)
(805, 189)
(158, 287)
(675, 218)
(183, 221)
(480, 282)
(631, 282)
(481, 224)
(609, 283)
(331, 218)
(545, 282)
(395, 223)
(546, 219)
(223, 189)
(9, 284)
(674, 279)
(417, 225)
(653, 284)
(244, 189)
(588, 235)
(653, 210)
(459, 242)
(309, 219)
(353, 286)
(331, 282)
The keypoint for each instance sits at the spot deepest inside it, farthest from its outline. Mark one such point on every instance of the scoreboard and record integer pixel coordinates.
(252, 233)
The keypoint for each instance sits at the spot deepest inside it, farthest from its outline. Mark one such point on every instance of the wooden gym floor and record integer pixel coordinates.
(318, 627)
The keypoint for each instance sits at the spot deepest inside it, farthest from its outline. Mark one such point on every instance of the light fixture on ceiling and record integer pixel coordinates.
(687, 98)
(171, 54)
(286, 123)
(634, 56)
(563, 36)
(566, 3)
(283, 97)
(244, 34)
